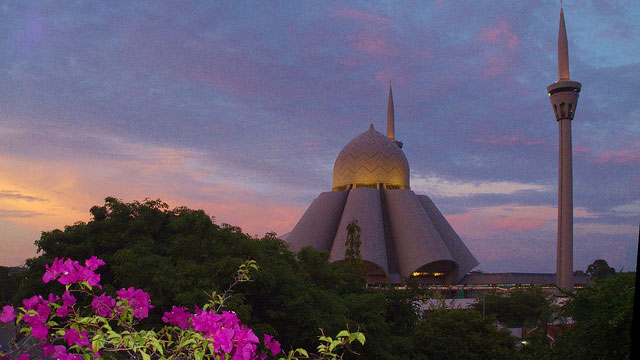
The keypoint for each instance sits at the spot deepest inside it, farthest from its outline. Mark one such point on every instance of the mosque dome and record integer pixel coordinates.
(368, 160)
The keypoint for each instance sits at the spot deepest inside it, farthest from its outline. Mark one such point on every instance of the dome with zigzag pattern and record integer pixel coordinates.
(369, 160)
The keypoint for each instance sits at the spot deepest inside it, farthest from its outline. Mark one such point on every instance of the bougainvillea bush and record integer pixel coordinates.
(106, 325)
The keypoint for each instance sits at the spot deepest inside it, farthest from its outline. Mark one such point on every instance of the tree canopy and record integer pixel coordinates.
(602, 313)
(600, 269)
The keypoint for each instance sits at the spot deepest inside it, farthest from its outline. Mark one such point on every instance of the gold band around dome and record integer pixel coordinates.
(370, 186)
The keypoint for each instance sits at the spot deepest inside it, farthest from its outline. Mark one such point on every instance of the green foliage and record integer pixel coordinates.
(602, 313)
(600, 270)
(352, 251)
(462, 334)
(523, 307)
(179, 256)
(8, 284)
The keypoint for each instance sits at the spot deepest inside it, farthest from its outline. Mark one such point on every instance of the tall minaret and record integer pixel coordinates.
(564, 99)
(391, 126)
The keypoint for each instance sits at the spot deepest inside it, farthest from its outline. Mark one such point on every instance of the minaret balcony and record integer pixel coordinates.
(564, 98)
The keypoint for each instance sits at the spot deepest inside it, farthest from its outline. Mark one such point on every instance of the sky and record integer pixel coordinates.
(241, 107)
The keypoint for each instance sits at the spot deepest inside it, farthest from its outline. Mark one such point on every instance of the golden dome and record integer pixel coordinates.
(371, 159)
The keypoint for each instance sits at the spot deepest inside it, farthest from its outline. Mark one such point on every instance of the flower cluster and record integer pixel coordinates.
(226, 333)
(138, 300)
(69, 271)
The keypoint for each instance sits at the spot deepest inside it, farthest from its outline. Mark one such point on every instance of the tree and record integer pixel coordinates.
(180, 255)
(462, 334)
(523, 307)
(352, 251)
(602, 313)
(600, 270)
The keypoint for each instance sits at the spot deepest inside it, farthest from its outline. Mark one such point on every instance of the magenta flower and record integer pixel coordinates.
(38, 328)
(272, 344)
(24, 356)
(47, 349)
(8, 314)
(74, 337)
(103, 305)
(179, 316)
(93, 263)
(32, 302)
(68, 301)
(61, 354)
(70, 271)
(52, 298)
(139, 301)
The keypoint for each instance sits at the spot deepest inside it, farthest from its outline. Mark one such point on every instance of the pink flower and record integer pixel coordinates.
(70, 271)
(39, 329)
(61, 354)
(53, 298)
(139, 301)
(178, 316)
(74, 337)
(272, 344)
(32, 302)
(8, 314)
(93, 263)
(47, 348)
(103, 305)
(68, 300)
(23, 357)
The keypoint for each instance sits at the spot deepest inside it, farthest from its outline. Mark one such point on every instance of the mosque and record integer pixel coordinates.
(404, 235)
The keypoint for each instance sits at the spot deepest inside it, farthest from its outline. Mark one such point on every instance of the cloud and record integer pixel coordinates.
(499, 34)
(132, 171)
(509, 140)
(622, 156)
(356, 14)
(18, 214)
(627, 210)
(441, 187)
(583, 229)
(502, 220)
(15, 195)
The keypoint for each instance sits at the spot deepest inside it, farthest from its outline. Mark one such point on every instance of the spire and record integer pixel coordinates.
(563, 50)
(391, 131)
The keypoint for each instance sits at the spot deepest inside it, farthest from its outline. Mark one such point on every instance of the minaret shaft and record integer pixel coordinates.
(391, 127)
(564, 261)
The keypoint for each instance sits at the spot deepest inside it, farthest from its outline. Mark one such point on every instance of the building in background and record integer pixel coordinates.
(404, 235)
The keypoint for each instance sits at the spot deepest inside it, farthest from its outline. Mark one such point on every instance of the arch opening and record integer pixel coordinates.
(441, 272)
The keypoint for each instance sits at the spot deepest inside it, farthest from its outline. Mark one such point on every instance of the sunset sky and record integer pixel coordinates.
(240, 108)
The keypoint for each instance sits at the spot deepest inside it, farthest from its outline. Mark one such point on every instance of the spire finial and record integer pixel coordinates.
(390, 116)
(563, 50)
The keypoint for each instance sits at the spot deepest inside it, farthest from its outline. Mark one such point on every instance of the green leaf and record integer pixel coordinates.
(360, 338)
(303, 352)
(198, 354)
(343, 333)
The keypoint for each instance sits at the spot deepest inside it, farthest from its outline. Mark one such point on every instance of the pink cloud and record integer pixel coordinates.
(580, 149)
(509, 140)
(500, 34)
(517, 224)
(383, 78)
(372, 44)
(348, 61)
(355, 14)
(624, 156)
